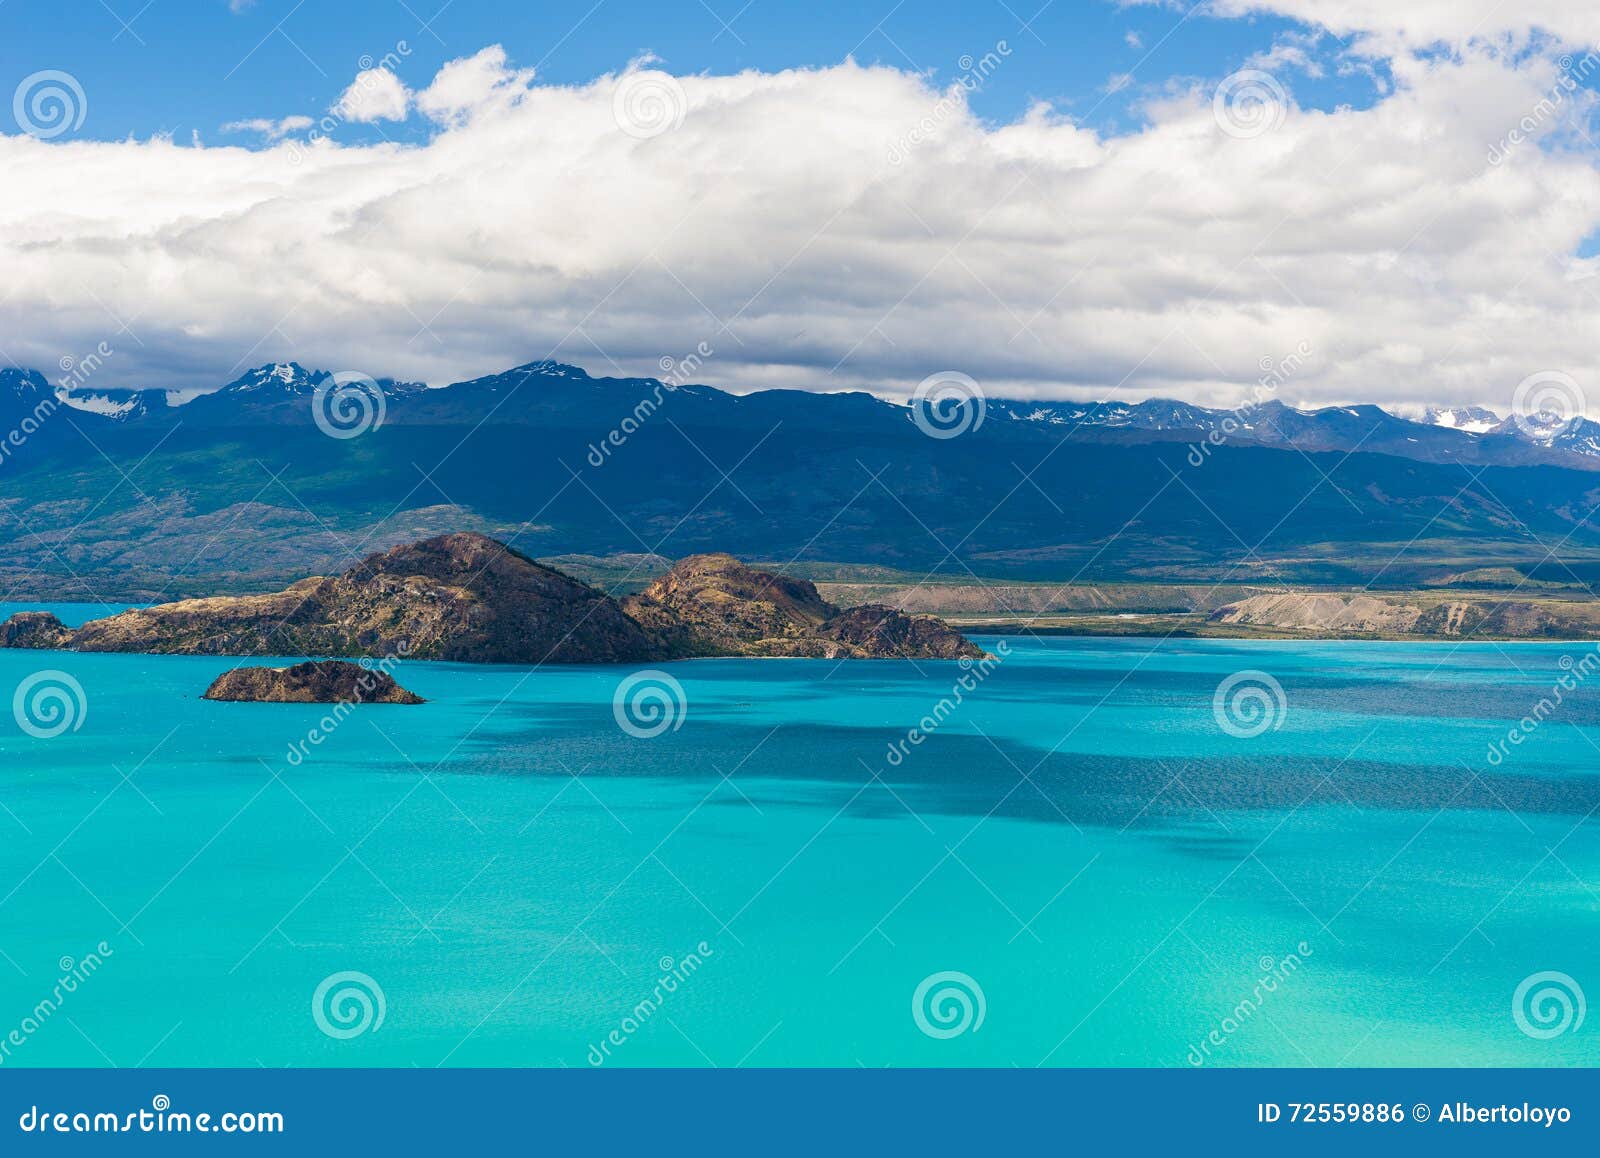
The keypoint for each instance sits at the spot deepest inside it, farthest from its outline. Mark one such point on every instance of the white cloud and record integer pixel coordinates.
(1039, 257)
(1292, 50)
(1388, 26)
(270, 129)
(376, 94)
(474, 85)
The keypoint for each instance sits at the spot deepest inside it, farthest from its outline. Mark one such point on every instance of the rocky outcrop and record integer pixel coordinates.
(469, 599)
(716, 605)
(875, 630)
(329, 681)
(36, 629)
(463, 597)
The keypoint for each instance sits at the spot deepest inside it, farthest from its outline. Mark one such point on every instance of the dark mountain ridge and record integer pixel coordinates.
(281, 391)
(242, 490)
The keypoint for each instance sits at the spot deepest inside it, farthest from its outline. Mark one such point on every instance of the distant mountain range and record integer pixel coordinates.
(119, 493)
(1465, 434)
(278, 392)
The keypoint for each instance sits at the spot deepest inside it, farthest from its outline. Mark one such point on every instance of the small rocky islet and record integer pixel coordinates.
(324, 681)
(468, 598)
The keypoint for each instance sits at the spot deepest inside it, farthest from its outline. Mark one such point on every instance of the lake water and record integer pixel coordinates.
(1114, 877)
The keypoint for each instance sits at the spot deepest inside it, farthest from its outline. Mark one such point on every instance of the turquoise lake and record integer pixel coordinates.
(1114, 871)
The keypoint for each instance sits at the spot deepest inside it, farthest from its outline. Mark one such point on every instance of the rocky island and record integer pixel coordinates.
(328, 681)
(468, 598)
(34, 629)
(716, 605)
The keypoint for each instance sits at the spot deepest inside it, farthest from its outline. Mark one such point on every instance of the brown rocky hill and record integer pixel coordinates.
(462, 597)
(468, 598)
(716, 605)
(877, 630)
(328, 681)
(34, 629)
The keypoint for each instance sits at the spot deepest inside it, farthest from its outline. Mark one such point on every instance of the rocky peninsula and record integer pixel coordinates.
(468, 598)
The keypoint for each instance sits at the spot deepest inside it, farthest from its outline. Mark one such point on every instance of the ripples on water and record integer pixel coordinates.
(1079, 836)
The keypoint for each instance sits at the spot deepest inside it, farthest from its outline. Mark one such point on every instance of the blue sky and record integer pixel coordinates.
(177, 68)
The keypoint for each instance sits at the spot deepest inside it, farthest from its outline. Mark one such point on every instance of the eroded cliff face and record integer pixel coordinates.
(468, 598)
(1321, 612)
(1488, 618)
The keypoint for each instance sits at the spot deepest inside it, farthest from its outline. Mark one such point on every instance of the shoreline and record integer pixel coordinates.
(1148, 625)
(273, 661)
(1223, 636)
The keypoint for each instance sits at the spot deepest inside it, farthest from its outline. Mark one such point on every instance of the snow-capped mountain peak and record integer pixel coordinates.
(287, 377)
(1471, 419)
(120, 405)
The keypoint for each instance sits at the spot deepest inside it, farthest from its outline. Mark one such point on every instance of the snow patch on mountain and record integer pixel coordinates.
(1471, 419)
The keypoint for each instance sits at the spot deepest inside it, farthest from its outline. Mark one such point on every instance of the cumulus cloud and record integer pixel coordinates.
(1386, 26)
(270, 129)
(376, 94)
(837, 228)
(1291, 51)
(474, 85)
